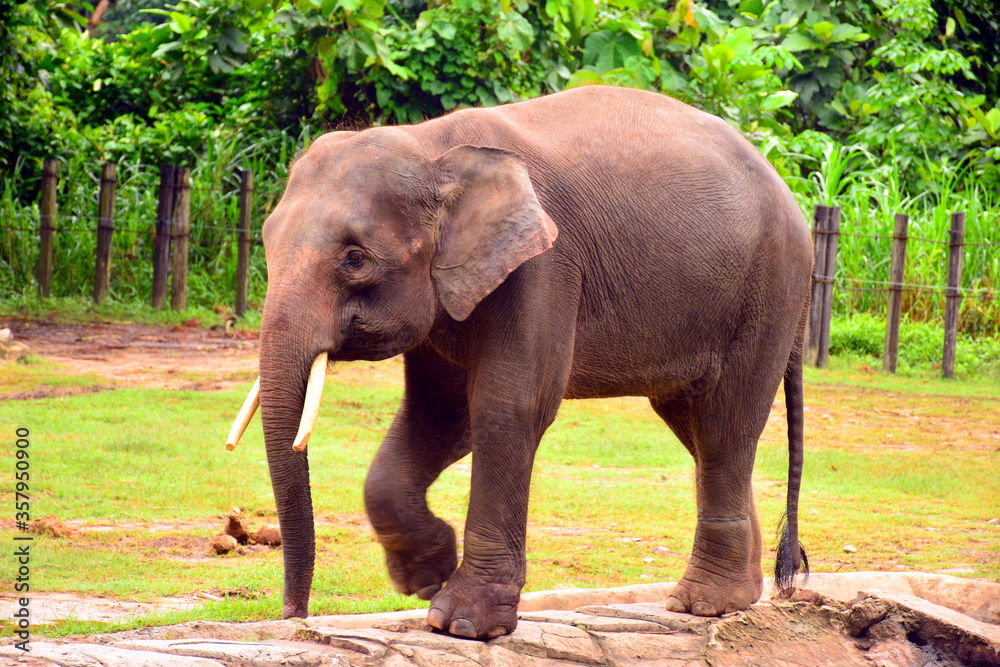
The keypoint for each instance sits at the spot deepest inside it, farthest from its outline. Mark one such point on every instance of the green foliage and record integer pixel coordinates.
(868, 70)
(912, 78)
(920, 345)
(466, 53)
(126, 16)
(875, 105)
(214, 213)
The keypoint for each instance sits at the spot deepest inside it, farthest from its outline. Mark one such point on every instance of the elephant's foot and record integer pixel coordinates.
(294, 610)
(474, 609)
(422, 570)
(724, 573)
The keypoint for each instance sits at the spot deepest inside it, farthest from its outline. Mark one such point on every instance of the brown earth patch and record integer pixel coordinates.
(900, 422)
(136, 355)
(186, 358)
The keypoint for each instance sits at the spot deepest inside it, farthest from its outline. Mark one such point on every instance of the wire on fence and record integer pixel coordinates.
(882, 236)
(904, 287)
(907, 238)
(254, 233)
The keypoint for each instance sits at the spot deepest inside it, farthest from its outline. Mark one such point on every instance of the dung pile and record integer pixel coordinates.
(236, 535)
(50, 525)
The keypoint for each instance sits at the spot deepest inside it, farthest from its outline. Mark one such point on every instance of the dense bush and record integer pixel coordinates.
(877, 105)
(909, 80)
(920, 345)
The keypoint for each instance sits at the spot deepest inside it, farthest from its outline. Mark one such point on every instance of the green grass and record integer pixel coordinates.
(861, 337)
(78, 309)
(904, 468)
(35, 375)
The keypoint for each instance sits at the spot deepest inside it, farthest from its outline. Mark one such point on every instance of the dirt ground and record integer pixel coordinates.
(131, 355)
(136, 355)
(190, 357)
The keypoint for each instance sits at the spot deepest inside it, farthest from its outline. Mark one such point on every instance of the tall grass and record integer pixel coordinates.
(869, 195)
(215, 183)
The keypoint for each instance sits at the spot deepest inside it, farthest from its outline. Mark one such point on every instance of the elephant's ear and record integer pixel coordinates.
(491, 224)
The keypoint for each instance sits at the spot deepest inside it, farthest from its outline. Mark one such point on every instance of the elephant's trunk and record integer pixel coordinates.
(286, 352)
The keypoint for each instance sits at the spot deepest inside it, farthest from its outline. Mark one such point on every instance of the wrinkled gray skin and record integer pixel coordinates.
(598, 242)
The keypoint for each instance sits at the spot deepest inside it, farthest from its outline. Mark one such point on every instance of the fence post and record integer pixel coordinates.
(46, 225)
(181, 236)
(953, 295)
(891, 348)
(161, 242)
(821, 214)
(830, 270)
(243, 241)
(105, 230)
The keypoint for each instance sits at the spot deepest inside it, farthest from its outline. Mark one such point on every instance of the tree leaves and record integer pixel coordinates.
(515, 31)
(778, 100)
(606, 50)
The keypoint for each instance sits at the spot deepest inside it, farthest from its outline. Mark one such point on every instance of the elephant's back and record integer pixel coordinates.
(610, 152)
(673, 225)
(677, 229)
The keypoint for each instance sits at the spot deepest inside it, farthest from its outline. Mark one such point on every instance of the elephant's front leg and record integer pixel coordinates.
(428, 434)
(481, 598)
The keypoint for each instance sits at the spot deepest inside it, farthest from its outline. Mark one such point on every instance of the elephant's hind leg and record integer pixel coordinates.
(428, 434)
(724, 572)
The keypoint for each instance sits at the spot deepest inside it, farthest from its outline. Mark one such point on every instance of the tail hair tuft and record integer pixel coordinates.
(789, 559)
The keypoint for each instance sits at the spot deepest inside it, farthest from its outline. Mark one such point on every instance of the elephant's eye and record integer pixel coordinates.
(354, 259)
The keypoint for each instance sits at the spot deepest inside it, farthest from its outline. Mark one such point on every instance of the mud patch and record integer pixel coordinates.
(56, 392)
(50, 525)
(135, 355)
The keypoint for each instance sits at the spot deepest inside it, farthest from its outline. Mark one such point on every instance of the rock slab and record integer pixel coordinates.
(876, 629)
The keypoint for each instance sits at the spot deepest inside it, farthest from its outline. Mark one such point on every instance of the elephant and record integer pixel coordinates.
(596, 242)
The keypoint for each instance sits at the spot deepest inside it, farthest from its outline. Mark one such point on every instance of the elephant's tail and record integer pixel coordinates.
(791, 555)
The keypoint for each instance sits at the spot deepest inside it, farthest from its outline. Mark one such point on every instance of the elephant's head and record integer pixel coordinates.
(377, 236)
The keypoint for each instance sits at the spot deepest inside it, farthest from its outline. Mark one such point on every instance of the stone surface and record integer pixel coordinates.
(411, 618)
(95, 655)
(553, 640)
(593, 623)
(12, 351)
(978, 599)
(877, 629)
(654, 613)
(971, 640)
(669, 648)
(251, 654)
(573, 598)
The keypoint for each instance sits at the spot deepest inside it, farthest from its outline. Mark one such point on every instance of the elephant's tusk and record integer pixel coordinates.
(310, 407)
(243, 418)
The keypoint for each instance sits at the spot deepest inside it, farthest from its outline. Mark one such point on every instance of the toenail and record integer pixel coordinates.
(674, 604)
(702, 608)
(435, 618)
(498, 631)
(463, 627)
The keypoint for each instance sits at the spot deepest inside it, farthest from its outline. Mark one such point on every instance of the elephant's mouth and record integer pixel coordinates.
(310, 407)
